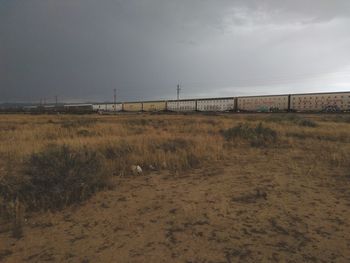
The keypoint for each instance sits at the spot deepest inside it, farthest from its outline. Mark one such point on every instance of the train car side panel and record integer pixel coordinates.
(326, 102)
(154, 106)
(110, 107)
(107, 107)
(78, 108)
(99, 107)
(182, 105)
(220, 104)
(263, 103)
(132, 106)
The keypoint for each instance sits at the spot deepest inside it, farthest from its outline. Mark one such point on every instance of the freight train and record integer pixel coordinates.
(311, 102)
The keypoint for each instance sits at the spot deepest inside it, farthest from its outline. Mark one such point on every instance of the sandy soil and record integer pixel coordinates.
(239, 212)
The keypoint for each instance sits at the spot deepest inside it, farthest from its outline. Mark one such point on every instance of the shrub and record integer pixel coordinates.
(85, 133)
(82, 122)
(292, 118)
(175, 144)
(118, 151)
(283, 118)
(211, 122)
(59, 176)
(257, 136)
(342, 118)
(307, 123)
(137, 122)
(11, 189)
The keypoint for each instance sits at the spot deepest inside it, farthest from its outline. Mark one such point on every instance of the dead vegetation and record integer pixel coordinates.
(49, 162)
(258, 136)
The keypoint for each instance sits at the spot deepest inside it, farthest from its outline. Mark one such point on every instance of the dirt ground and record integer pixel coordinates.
(292, 210)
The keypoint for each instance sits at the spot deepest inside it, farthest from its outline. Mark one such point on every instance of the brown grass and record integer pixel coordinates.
(173, 143)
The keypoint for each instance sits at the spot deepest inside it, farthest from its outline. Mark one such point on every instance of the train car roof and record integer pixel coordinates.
(321, 93)
(154, 101)
(106, 103)
(259, 96)
(218, 98)
(182, 100)
(129, 102)
(77, 105)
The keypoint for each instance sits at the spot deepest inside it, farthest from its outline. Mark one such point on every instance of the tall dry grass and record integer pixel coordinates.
(47, 162)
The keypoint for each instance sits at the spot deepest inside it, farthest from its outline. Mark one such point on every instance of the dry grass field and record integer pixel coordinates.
(213, 188)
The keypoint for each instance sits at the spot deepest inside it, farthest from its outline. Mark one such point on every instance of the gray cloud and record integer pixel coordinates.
(82, 49)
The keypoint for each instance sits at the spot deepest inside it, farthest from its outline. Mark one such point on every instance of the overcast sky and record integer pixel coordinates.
(80, 50)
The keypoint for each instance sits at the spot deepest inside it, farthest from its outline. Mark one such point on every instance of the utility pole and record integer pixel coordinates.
(178, 95)
(115, 101)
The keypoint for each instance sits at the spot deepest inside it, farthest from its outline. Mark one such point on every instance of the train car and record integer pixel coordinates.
(111, 107)
(181, 105)
(132, 106)
(78, 108)
(320, 102)
(107, 107)
(216, 104)
(154, 106)
(30, 108)
(273, 103)
(52, 109)
(39, 109)
(99, 107)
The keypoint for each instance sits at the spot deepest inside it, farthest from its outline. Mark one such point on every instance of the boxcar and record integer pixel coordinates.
(114, 107)
(216, 104)
(27, 109)
(318, 102)
(132, 106)
(99, 107)
(154, 105)
(52, 109)
(181, 105)
(107, 107)
(78, 108)
(273, 103)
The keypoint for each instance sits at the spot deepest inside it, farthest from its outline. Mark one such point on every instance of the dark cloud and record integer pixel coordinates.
(82, 49)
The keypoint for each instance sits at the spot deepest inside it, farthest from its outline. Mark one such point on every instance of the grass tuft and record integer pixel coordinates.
(258, 136)
(307, 123)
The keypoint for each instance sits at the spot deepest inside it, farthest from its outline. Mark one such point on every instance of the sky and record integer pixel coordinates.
(80, 50)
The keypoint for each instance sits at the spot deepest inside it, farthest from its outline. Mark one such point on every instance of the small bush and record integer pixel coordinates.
(257, 136)
(307, 123)
(118, 151)
(11, 189)
(85, 133)
(341, 118)
(137, 122)
(193, 160)
(278, 118)
(175, 144)
(291, 118)
(59, 176)
(212, 122)
(83, 122)
(297, 135)
(8, 128)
